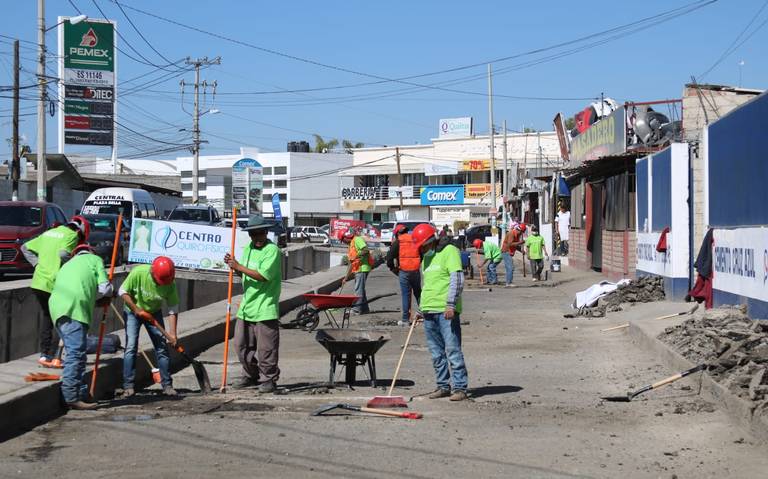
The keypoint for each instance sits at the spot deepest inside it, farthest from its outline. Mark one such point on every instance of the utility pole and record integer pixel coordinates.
(505, 186)
(399, 177)
(196, 123)
(490, 123)
(15, 141)
(42, 85)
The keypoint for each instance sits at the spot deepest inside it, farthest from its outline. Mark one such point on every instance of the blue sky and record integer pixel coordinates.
(388, 40)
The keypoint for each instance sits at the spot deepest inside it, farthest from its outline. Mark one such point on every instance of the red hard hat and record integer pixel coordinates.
(523, 227)
(422, 234)
(478, 243)
(82, 247)
(349, 234)
(399, 228)
(82, 225)
(163, 270)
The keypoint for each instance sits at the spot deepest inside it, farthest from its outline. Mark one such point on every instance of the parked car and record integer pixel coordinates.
(477, 232)
(102, 237)
(20, 221)
(386, 232)
(312, 234)
(131, 202)
(197, 214)
(326, 228)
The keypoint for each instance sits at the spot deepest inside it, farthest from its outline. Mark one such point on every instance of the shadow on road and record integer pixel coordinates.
(494, 390)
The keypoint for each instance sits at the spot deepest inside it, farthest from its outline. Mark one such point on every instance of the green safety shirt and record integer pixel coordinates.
(535, 244)
(146, 293)
(48, 247)
(491, 251)
(436, 271)
(77, 284)
(261, 299)
(360, 243)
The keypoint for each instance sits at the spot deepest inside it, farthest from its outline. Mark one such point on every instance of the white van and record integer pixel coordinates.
(133, 203)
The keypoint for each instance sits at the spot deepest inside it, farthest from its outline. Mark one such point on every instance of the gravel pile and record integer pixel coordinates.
(734, 347)
(642, 290)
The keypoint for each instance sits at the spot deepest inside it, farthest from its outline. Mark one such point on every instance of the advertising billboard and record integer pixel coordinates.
(455, 127)
(442, 195)
(605, 138)
(248, 186)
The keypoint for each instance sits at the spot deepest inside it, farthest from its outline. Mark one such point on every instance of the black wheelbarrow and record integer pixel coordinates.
(352, 348)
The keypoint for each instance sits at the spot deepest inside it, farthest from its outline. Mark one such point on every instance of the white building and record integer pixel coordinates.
(462, 162)
(308, 184)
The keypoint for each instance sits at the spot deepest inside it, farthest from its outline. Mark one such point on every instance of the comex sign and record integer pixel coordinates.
(443, 195)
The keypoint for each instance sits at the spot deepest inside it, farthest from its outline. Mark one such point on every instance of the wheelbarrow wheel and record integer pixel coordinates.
(307, 319)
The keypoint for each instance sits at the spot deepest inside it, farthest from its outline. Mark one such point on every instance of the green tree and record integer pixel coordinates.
(348, 145)
(570, 123)
(322, 146)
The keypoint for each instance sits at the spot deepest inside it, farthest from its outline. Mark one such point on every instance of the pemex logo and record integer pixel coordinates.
(89, 39)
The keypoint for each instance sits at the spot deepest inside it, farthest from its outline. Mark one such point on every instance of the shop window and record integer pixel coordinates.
(281, 183)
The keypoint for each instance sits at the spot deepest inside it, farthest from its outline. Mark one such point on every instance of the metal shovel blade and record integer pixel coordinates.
(202, 377)
(617, 398)
(325, 408)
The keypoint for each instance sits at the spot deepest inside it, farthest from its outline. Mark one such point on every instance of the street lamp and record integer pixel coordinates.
(43, 85)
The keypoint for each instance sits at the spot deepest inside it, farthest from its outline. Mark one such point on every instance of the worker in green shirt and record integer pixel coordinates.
(46, 253)
(360, 264)
(492, 254)
(257, 329)
(80, 285)
(537, 250)
(440, 305)
(144, 291)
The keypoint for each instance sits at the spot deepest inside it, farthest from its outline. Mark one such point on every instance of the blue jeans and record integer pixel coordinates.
(361, 305)
(509, 267)
(492, 272)
(132, 327)
(409, 281)
(74, 334)
(444, 341)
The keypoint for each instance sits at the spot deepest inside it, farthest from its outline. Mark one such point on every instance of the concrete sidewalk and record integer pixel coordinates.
(24, 405)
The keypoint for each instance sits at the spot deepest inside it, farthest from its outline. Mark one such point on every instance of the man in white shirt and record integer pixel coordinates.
(563, 220)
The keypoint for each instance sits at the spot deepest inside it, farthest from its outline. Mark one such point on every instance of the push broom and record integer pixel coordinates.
(103, 324)
(223, 388)
(389, 400)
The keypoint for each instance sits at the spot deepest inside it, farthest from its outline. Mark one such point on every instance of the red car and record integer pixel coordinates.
(20, 221)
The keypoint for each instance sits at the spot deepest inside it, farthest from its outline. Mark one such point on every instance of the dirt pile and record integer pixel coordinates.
(734, 347)
(642, 290)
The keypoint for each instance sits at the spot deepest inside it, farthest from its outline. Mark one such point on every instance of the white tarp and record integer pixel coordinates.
(589, 296)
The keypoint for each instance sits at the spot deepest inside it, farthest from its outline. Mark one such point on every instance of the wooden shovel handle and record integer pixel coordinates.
(386, 412)
(402, 356)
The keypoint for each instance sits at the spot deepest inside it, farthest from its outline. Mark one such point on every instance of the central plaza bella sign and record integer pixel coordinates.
(442, 195)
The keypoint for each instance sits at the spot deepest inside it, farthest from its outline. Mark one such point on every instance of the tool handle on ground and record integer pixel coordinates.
(225, 362)
(667, 316)
(678, 376)
(385, 412)
(402, 356)
(120, 317)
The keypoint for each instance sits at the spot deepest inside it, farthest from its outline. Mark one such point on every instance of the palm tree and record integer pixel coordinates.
(321, 146)
(348, 145)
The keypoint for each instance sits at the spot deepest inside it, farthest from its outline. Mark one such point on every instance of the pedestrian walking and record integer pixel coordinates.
(537, 250)
(143, 292)
(257, 330)
(403, 260)
(492, 254)
(361, 263)
(441, 307)
(80, 285)
(563, 220)
(509, 245)
(46, 253)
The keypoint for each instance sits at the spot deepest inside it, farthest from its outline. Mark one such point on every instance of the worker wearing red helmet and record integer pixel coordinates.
(403, 260)
(80, 285)
(440, 305)
(47, 253)
(144, 291)
(492, 255)
(360, 264)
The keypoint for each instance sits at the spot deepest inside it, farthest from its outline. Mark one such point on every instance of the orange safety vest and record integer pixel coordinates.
(408, 257)
(354, 259)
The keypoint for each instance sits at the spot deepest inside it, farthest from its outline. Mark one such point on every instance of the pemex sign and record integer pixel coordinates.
(89, 45)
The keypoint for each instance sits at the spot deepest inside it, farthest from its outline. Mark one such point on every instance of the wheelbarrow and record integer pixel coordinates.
(352, 348)
(308, 318)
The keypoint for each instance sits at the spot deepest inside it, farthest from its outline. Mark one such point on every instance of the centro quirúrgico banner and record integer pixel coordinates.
(189, 246)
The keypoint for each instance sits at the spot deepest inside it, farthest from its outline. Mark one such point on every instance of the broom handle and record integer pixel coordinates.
(479, 266)
(223, 387)
(103, 324)
(120, 317)
(402, 356)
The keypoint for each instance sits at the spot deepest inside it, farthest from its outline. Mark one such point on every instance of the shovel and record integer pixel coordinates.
(200, 373)
(389, 400)
(382, 412)
(649, 387)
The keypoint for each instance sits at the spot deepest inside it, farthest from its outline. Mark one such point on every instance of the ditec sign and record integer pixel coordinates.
(442, 195)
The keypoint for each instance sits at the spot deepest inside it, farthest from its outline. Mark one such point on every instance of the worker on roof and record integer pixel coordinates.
(257, 329)
(403, 260)
(143, 292)
(360, 264)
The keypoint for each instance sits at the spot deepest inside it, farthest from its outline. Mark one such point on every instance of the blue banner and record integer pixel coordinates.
(276, 207)
(442, 195)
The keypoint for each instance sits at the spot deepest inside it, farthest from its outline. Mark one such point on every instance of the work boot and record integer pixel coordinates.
(82, 405)
(128, 392)
(439, 393)
(267, 387)
(244, 382)
(458, 396)
(169, 391)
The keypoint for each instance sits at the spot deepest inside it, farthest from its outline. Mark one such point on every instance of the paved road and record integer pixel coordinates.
(535, 411)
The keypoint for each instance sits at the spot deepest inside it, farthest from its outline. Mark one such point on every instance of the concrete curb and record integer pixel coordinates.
(37, 403)
(645, 333)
